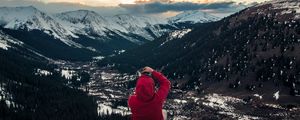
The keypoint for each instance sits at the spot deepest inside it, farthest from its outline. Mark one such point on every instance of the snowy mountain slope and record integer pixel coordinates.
(30, 18)
(90, 23)
(84, 30)
(6, 41)
(3, 44)
(132, 23)
(83, 22)
(68, 25)
(193, 17)
(137, 25)
(44, 33)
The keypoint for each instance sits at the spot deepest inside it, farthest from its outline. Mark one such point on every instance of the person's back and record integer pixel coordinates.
(146, 104)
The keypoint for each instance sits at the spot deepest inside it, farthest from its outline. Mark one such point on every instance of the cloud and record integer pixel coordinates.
(156, 8)
(54, 7)
(159, 7)
(149, 1)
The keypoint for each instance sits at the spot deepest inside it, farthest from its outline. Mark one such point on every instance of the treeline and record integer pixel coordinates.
(25, 95)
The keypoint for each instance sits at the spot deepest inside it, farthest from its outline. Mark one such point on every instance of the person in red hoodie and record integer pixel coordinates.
(146, 103)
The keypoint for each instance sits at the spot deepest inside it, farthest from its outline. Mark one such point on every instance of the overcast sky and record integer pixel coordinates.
(164, 8)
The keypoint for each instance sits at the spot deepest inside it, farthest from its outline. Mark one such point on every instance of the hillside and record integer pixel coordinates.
(31, 89)
(255, 51)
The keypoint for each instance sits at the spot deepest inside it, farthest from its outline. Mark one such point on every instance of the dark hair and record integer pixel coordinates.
(144, 73)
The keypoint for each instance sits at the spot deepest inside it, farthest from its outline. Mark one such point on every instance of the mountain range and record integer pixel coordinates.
(252, 55)
(86, 32)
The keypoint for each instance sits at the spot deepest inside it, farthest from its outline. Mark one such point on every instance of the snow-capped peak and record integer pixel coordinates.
(11, 15)
(83, 22)
(134, 24)
(138, 25)
(140, 21)
(81, 16)
(73, 24)
(194, 16)
(29, 18)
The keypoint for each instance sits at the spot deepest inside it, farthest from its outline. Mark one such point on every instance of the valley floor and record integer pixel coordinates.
(111, 91)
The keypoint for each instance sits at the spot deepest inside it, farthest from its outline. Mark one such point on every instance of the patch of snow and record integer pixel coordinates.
(180, 118)
(108, 76)
(6, 41)
(91, 49)
(109, 90)
(41, 72)
(122, 110)
(176, 35)
(276, 95)
(218, 101)
(195, 99)
(114, 96)
(180, 101)
(274, 106)
(96, 93)
(104, 96)
(258, 96)
(179, 33)
(6, 96)
(2, 92)
(68, 74)
(99, 57)
(105, 108)
(4, 45)
(223, 104)
(120, 51)
(195, 16)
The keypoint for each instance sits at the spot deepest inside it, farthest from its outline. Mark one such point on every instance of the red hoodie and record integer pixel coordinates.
(146, 103)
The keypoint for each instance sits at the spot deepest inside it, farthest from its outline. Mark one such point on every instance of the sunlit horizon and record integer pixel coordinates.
(117, 2)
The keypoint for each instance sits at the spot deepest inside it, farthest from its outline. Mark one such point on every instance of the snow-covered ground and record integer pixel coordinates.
(195, 16)
(225, 106)
(4, 45)
(106, 109)
(184, 105)
(6, 40)
(98, 58)
(276, 95)
(68, 74)
(177, 34)
(110, 89)
(6, 96)
(41, 72)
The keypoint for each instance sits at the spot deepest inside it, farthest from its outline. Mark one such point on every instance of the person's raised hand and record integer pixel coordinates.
(147, 69)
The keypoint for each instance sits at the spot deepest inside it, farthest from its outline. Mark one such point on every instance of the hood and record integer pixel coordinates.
(145, 89)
